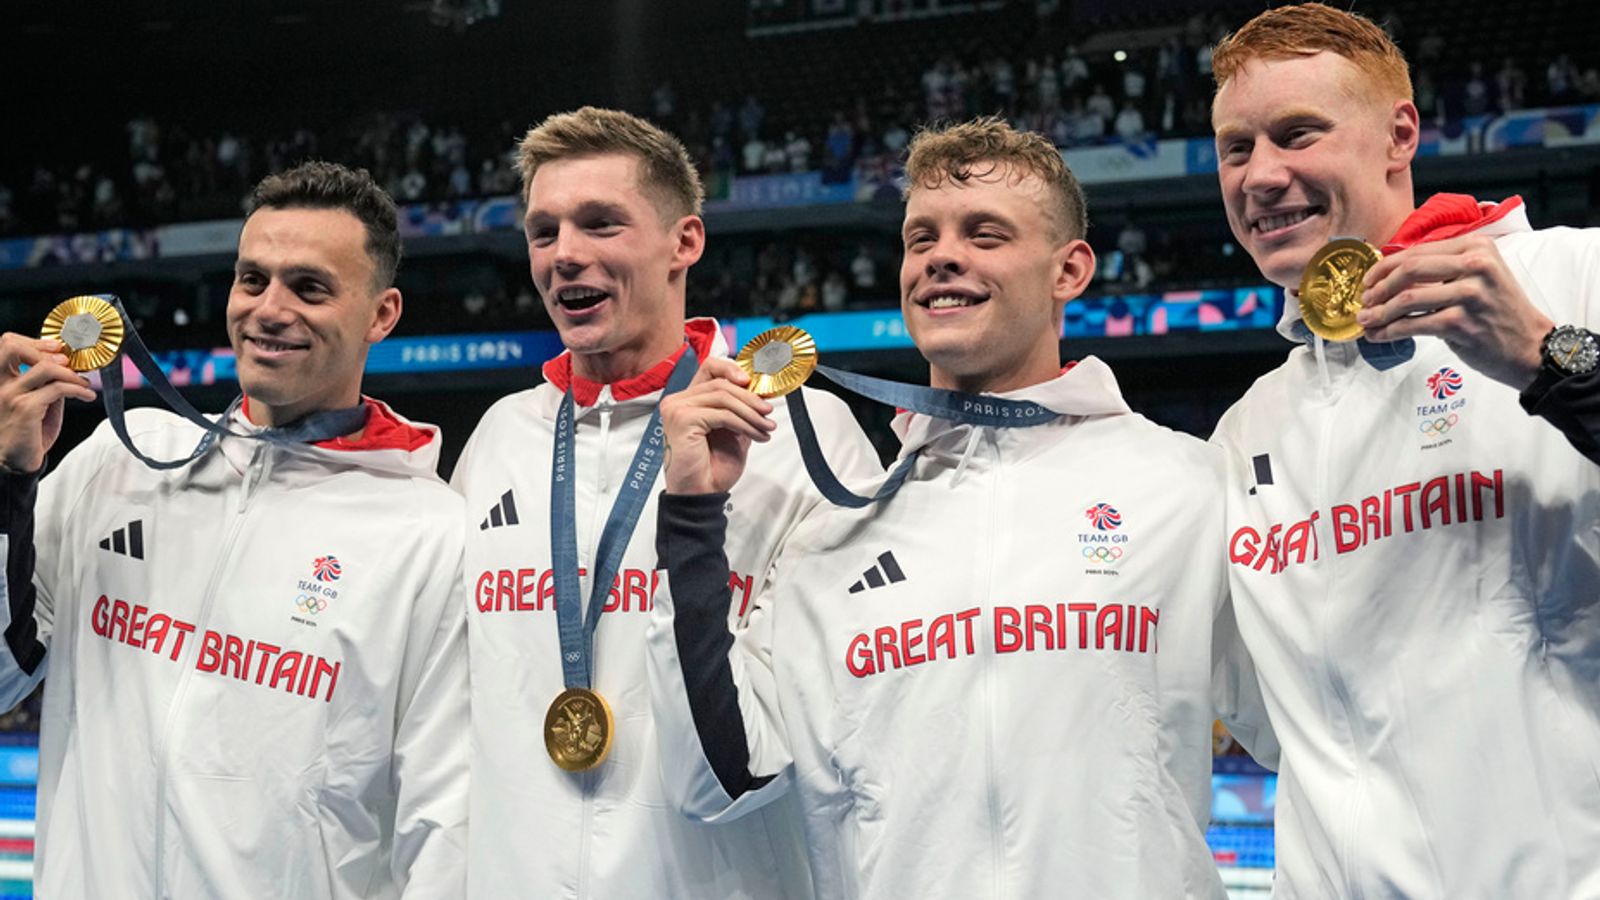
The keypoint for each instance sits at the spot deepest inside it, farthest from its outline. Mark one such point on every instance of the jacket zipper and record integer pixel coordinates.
(602, 506)
(1335, 678)
(254, 474)
(996, 839)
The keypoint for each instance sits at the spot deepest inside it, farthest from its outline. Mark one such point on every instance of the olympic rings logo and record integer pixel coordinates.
(306, 603)
(1102, 554)
(1437, 427)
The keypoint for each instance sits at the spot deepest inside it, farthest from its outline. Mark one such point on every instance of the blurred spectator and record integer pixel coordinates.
(1559, 77)
(863, 271)
(1511, 85)
(1074, 69)
(834, 292)
(1589, 85)
(1430, 106)
(754, 154)
(1130, 122)
(1100, 104)
(841, 139)
(798, 150)
(1475, 92)
(1003, 82)
(751, 116)
(776, 159)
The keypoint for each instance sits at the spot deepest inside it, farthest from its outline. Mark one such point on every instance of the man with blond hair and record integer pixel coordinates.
(962, 683)
(1413, 541)
(566, 797)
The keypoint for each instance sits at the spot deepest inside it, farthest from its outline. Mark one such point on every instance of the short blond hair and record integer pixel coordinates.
(1312, 28)
(976, 148)
(666, 173)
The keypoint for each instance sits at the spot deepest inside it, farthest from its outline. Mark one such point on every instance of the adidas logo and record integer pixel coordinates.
(886, 572)
(502, 513)
(128, 541)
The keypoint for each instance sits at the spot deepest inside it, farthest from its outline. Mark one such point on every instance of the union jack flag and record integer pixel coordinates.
(1104, 516)
(1444, 383)
(326, 568)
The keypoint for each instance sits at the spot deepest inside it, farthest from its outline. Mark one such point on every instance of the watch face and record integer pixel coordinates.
(1574, 350)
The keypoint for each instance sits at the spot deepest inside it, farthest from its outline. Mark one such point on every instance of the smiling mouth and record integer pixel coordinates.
(575, 299)
(274, 346)
(1280, 221)
(950, 301)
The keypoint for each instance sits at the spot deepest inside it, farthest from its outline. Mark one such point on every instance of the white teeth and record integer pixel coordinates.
(1273, 223)
(273, 346)
(576, 294)
(948, 301)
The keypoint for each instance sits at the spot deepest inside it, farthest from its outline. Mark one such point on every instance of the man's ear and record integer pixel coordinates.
(1073, 269)
(385, 316)
(689, 234)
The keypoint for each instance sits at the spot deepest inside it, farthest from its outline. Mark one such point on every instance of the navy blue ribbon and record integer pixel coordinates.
(319, 426)
(955, 406)
(1381, 355)
(575, 628)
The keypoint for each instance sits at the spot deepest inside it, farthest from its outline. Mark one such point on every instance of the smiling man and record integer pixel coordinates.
(257, 671)
(997, 682)
(567, 799)
(1415, 558)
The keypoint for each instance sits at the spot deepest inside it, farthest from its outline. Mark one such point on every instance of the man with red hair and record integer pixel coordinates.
(1415, 558)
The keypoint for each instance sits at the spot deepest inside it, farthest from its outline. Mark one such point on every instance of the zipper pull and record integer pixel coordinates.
(604, 406)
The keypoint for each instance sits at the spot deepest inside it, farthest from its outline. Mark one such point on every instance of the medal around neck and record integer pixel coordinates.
(578, 730)
(1330, 289)
(91, 330)
(778, 360)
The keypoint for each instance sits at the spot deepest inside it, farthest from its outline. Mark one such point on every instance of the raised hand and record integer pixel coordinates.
(31, 402)
(1462, 291)
(709, 426)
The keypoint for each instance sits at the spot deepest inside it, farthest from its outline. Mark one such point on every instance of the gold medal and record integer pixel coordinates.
(89, 327)
(578, 729)
(778, 360)
(1330, 289)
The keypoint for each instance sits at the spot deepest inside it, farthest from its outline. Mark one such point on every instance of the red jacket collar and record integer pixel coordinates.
(1445, 216)
(700, 333)
(384, 431)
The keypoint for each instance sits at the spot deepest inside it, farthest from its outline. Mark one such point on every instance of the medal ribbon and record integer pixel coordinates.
(319, 426)
(576, 629)
(955, 406)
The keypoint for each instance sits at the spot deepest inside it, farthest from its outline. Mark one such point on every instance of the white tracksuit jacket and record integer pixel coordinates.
(997, 683)
(256, 671)
(1419, 586)
(611, 833)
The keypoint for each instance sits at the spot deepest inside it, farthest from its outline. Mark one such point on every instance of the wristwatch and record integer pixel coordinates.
(1569, 350)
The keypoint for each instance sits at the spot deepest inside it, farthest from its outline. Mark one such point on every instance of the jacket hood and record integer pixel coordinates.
(389, 443)
(1086, 387)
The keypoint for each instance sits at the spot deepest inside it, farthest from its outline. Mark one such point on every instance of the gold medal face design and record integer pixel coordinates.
(778, 360)
(578, 730)
(1330, 289)
(90, 328)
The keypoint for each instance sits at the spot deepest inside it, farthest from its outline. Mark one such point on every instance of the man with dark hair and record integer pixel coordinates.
(613, 226)
(257, 660)
(998, 682)
(1413, 538)
(325, 185)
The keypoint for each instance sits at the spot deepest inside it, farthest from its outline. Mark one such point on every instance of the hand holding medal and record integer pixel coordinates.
(1330, 289)
(89, 327)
